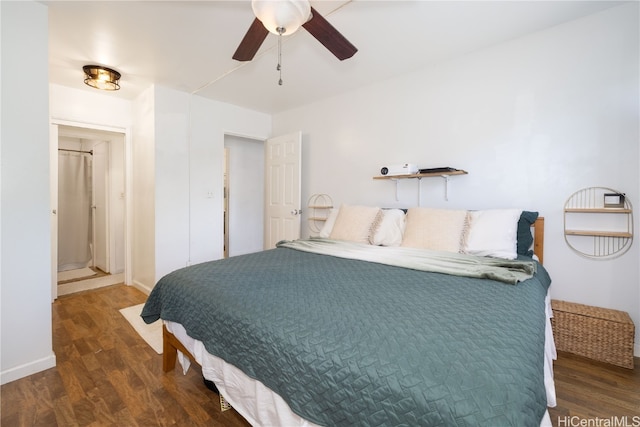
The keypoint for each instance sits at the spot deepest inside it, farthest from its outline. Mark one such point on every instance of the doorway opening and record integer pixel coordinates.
(90, 209)
(243, 195)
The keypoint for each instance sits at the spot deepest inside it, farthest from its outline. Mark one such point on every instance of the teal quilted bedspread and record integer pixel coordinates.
(354, 343)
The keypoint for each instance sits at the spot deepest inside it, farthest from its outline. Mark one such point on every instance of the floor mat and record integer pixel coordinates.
(152, 333)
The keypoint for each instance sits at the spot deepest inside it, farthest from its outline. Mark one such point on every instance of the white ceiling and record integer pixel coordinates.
(187, 45)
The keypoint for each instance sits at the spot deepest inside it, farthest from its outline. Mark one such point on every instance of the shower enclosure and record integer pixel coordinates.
(75, 229)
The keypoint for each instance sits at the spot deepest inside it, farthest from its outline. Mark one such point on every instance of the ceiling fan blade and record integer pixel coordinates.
(251, 41)
(331, 38)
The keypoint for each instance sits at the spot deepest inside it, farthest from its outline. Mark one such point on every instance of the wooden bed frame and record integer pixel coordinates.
(171, 345)
(538, 239)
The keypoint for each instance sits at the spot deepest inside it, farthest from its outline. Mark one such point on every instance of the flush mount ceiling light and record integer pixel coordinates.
(100, 77)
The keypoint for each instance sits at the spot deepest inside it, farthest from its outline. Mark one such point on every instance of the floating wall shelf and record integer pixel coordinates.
(318, 207)
(595, 231)
(419, 176)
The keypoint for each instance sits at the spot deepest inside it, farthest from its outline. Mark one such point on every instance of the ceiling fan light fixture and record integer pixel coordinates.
(100, 77)
(277, 15)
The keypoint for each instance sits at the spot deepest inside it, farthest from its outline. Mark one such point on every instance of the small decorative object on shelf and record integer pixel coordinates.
(403, 169)
(613, 200)
(594, 235)
(318, 208)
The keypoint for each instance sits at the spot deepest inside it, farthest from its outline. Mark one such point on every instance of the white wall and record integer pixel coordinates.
(143, 192)
(171, 180)
(180, 171)
(90, 107)
(25, 267)
(246, 194)
(210, 122)
(532, 121)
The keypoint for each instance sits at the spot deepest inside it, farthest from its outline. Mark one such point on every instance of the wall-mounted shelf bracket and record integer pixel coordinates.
(396, 181)
(446, 187)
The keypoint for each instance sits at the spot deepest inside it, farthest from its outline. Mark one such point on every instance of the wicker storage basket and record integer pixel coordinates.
(594, 332)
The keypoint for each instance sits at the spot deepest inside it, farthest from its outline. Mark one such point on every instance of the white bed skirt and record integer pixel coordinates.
(260, 406)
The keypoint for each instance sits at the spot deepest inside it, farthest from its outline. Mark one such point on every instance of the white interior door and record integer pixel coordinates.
(100, 206)
(282, 189)
(53, 193)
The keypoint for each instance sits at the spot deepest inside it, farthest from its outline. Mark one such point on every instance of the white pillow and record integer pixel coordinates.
(390, 229)
(493, 232)
(328, 223)
(355, 223)
(435, 229)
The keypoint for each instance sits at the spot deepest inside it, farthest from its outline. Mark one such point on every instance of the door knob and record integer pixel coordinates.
(296, 212)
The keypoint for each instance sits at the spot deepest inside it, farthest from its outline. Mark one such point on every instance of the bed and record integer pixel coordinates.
(340, 331)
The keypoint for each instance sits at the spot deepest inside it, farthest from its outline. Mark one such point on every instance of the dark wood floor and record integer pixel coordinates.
(589, 390)
(106, 375)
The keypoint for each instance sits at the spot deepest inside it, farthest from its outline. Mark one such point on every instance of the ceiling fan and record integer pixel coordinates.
(285, 17)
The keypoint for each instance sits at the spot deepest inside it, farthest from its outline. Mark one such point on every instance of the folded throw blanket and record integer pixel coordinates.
(502, 270)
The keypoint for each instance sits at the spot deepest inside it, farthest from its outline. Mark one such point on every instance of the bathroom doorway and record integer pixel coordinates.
(90, 209)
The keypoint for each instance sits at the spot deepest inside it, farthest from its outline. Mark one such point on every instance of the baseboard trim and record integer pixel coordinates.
(28, 369)
(142, 287)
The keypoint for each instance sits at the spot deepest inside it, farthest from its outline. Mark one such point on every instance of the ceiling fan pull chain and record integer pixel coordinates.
(281, 31)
